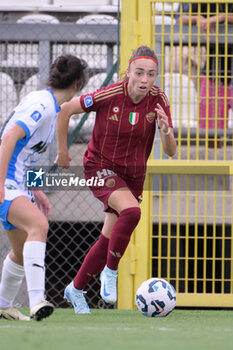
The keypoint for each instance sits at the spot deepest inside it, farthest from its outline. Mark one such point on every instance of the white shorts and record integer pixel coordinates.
(12, 191)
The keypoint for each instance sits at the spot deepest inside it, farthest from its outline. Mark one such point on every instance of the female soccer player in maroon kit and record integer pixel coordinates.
(121, 142)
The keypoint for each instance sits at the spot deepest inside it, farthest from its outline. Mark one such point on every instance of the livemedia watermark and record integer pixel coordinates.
(49, 181)
(73, 179)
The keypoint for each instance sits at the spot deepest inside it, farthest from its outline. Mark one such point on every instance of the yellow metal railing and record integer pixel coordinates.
(191, 243)
(185, 234)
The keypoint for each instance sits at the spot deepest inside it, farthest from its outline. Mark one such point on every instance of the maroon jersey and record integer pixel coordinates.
(124, 131)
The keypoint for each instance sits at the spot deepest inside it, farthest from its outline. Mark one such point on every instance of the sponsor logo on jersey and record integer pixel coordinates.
(133, 118)
(36, 116)
(10, 187)
(43, 106)
(40, 147)
(114, 117)
(88, 101)
(150, 117)
(105, 173)
(35, 178)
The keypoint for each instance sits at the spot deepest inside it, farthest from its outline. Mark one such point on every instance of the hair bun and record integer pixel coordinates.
(65, 70)
(62, 64)
(83, 64)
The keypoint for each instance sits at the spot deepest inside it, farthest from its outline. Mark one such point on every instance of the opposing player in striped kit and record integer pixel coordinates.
(24, 136)
(122, 139)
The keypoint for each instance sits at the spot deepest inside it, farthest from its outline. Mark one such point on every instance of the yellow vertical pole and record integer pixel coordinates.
(196, 238)
(223, 253)
(225, 86)
(129, 42)
(132, 273)
(129, 31)
(160, 221)
(134, 266)
(217, 102)
(125, 280)
(143, 235)
(145, 21)
(187, 263)
(205, 263)
(214, 257)
(179, 199)
(169, 195)
(231, 240)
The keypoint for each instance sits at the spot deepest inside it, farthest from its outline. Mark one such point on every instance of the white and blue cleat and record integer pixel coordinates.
(108, 289)
(77, 299)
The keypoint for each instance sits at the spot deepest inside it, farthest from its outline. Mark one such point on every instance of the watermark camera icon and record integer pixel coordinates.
(35, 178)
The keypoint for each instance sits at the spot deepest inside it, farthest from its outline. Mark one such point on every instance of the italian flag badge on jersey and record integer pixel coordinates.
(133, 118)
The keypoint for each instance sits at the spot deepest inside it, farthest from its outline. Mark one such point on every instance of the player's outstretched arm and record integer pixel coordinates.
(67, 110)
(6, 150)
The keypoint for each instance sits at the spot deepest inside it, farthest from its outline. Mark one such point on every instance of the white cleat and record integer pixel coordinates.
(41, 310)
(12, 313)
(108, 289)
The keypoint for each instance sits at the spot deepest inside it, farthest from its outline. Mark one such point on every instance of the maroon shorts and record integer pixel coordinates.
(111, 181)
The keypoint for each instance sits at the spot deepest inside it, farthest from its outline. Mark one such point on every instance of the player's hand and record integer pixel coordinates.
(63, 160)
(2, 194)
(162, 118)
(42, 202)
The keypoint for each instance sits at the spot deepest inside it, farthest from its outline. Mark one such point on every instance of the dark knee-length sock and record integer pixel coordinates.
(93, 263)
(120, 235)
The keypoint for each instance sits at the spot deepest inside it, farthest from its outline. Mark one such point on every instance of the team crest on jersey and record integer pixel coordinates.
(133, 118)
(36, 116)
(88, 101)
(110, 182)
(150, 117)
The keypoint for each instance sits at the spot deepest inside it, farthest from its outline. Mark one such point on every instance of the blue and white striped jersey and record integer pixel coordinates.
(36, 114)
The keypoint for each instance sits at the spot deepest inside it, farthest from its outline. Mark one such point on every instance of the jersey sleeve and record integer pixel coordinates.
(92, 101)
(88, 102)
(29, 118)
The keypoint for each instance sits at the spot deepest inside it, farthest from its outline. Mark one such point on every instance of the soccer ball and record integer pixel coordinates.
(156, 297)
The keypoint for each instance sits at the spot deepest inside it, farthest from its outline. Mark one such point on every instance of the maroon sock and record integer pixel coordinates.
(93, 263)
(120, 235)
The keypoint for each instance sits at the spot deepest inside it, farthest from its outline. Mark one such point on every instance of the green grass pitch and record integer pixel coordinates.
(121, 330)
